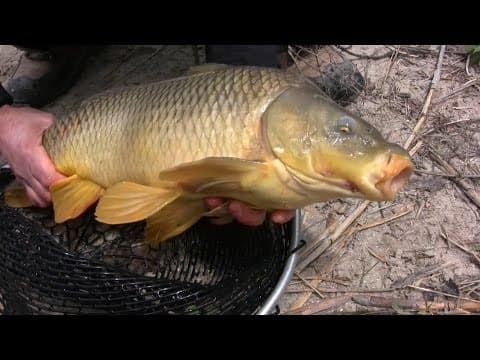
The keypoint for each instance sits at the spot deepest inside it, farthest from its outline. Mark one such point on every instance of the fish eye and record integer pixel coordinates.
(344, 128)
(345, 125)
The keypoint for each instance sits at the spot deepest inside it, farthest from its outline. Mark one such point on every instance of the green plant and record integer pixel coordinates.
(474, 51)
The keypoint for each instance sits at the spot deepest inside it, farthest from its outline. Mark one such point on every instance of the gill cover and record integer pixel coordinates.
(331, 150)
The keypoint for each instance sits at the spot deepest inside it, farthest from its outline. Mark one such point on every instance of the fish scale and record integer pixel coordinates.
(126, 133)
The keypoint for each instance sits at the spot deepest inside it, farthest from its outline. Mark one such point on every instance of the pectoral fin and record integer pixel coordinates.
(16, 196)
(72, 196)
(128, 202)
(216, 175)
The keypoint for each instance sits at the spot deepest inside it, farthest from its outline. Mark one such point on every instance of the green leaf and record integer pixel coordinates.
(472, 48)
(475, 58)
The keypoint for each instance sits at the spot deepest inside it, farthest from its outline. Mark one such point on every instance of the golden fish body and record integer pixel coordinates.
(133, 134)
(263, 136)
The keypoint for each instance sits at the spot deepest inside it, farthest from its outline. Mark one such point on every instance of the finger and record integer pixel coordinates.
(282, 216)
(42, 192)
(246, 215)
(43, 170)
(213, 202)
(32, 195)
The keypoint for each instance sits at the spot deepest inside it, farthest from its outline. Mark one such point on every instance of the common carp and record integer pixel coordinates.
(264, 136)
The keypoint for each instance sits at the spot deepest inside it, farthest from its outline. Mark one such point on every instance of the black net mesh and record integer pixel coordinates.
(84, 267)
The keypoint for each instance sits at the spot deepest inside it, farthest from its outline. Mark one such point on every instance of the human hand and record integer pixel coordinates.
(21, 132)
(248, 216)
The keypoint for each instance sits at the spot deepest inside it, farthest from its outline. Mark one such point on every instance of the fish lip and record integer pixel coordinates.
(391, 185)
(394, 177)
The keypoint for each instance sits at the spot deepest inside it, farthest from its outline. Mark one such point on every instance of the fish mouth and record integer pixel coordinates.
(386, 176)
(395, 176)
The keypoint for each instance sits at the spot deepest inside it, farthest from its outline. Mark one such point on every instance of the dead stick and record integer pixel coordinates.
(393, 57)
(468, 251)
(432, 173)
(326, 279)
(325, 233)
(428, 271)
(426, 105)
(383, 302)
(378, 301)
(442, 293)
(449, 124)
(310, 286)
(387, 219)
(378, 257)
(461, 183)
(456, 91)
(350, 219)
(414, 149)
(324, 305)
(304, 298)
(352, 290)
(331, 239)
(364, 56)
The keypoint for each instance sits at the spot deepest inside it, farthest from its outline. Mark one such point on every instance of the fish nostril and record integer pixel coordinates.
(390, 158)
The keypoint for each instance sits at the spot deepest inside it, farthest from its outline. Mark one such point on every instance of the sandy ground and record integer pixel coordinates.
(427, 238)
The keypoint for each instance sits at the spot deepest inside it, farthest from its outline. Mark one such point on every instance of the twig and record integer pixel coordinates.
(468, 251)
(334, 253)
(461, 183)
(326, 279)
(426, 105)
(403, 53)
(353, 290)
(418, 171)
(390, 66)
(323, 244)
(380, 209)
(468, 283)
(363, 56)
(350, 219)
(400, 284)
(414, 149)
(458, 90)
(321, 306)
(443, 293)
(371, 252)
(303, 299)
(448, 124)
(447, 175)
(420, 208)
(310, 286)
(467, 65)
(384, 302)
(387, 219)
(473, 290)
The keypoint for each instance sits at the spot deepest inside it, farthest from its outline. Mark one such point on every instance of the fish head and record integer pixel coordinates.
(332, 152)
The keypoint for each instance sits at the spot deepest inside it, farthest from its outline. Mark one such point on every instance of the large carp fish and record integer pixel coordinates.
(264, 136)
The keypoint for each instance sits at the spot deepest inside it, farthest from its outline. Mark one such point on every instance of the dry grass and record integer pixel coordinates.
(428, 288)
